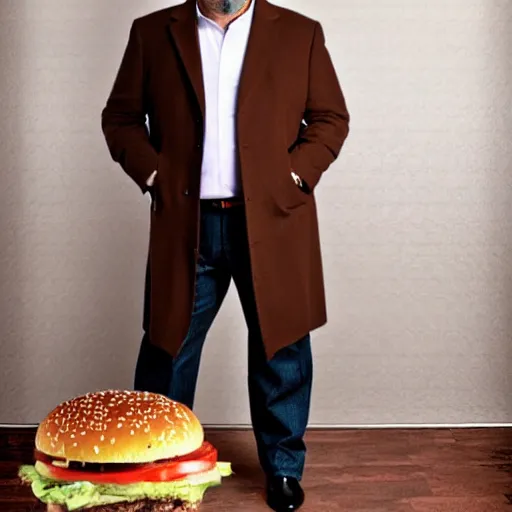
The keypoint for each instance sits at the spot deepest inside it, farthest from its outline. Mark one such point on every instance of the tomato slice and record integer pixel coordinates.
(206, 452)
(199, 461)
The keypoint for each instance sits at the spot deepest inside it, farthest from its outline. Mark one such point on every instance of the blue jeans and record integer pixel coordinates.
(279, 389)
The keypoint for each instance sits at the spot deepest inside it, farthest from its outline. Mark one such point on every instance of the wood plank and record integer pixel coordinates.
(416, 470)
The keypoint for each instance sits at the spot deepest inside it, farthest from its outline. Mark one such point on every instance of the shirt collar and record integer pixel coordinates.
(245, 17)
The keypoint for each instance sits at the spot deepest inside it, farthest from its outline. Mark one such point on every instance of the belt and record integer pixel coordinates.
(222, 204)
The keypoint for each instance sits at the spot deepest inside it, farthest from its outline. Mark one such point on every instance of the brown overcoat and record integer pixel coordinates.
(287, 78)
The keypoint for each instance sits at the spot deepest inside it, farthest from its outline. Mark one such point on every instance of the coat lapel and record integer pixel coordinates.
(183, 28)
(259, 49)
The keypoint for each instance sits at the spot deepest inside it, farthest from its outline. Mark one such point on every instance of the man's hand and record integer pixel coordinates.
(152, 191)
(300, 182)
(151, 179)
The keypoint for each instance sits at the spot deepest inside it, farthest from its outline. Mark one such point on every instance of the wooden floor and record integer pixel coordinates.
(466, 470)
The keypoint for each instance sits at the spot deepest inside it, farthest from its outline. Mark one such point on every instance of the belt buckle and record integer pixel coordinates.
(222, 203)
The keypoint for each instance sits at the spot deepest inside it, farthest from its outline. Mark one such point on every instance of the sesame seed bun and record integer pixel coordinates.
(119, 427)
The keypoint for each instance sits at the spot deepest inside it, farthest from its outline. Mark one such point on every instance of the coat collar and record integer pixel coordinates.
(183, 28)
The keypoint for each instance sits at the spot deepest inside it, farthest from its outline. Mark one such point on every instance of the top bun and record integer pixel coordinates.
(119, 427)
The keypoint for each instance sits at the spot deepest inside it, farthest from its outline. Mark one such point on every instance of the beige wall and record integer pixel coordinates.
(416, 217)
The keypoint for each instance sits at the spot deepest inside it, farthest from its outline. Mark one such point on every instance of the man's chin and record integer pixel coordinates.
(227, 7)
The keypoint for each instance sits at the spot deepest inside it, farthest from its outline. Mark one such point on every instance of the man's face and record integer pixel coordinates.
(224, 6)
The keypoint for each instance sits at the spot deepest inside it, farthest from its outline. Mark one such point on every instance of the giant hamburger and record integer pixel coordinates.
(122, 451)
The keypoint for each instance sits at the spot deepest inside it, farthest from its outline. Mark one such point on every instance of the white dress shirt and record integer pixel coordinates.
(222, 57)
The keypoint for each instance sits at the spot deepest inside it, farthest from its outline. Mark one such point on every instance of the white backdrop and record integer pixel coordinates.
(415, 218)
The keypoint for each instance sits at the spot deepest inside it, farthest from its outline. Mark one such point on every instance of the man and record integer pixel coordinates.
(245, 114)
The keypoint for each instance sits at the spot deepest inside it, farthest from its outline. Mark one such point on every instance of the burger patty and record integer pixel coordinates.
(147, 506)
(136, 506)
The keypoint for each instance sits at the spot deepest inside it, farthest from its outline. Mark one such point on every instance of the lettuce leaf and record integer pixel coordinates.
(77, 495)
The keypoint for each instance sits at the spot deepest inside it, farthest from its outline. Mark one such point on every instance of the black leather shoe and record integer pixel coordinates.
(284, 493)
